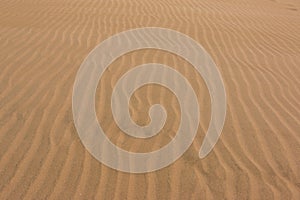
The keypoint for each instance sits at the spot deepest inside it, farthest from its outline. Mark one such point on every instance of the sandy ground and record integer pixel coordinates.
(256, 46)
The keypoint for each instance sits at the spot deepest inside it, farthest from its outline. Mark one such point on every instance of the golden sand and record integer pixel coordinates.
(256, 46)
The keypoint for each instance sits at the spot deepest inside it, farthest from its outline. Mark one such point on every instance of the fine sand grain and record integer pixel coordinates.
(256, 46)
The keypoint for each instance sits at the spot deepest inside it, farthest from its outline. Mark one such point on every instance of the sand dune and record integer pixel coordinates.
(256, 46)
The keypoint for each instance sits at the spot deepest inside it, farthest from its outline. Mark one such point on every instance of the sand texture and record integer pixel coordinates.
(254, 43)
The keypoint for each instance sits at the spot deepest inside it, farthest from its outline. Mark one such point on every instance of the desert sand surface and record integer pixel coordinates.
(256, 46)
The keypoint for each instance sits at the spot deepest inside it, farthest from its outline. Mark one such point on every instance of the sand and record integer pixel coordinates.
(256, 46)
